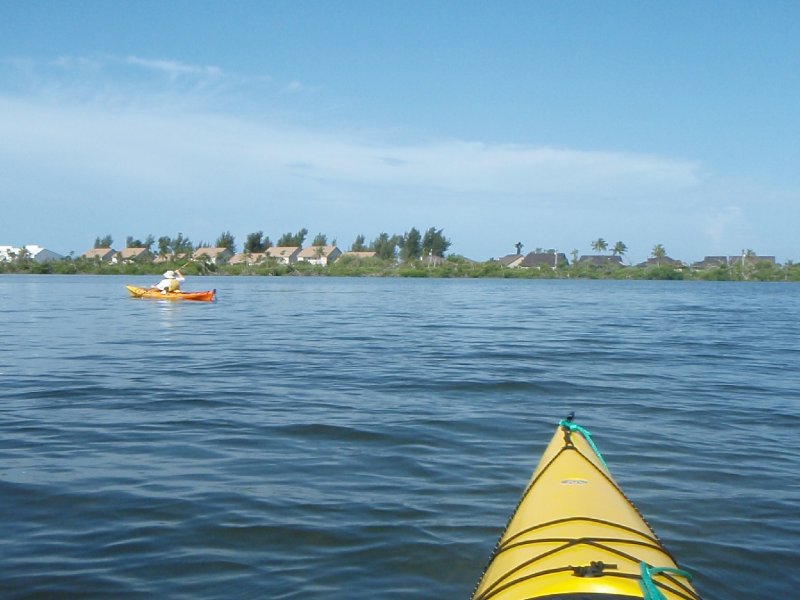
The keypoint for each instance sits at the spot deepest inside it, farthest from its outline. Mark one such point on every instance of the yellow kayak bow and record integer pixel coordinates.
(576, 536)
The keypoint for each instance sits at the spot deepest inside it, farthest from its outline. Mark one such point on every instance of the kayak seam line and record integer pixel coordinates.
(610, 479)
(684, 593)
(607, 475)
(488, 593)
(511, 518)
(643, 534)
(494, 588)
(582, 540)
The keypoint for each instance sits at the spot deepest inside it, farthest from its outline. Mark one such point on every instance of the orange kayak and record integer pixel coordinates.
(138, 292)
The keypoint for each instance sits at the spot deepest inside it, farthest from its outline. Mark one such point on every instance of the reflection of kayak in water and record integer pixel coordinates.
(575, 535)
(138, 292)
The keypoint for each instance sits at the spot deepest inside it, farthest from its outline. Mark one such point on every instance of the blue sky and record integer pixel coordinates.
(546, 123)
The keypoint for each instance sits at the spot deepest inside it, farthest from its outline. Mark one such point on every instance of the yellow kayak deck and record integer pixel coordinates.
(575, 535)
(139, 292)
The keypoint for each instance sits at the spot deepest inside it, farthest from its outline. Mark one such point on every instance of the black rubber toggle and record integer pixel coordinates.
(595, 569)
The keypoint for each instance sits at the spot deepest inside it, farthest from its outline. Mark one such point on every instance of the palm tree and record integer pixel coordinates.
(747, 254)
(619, 248)
(519, 246)
(658, 253)
(599, 245)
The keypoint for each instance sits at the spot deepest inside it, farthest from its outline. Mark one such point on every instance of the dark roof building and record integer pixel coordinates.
(709, 262)
(664, 261)
(600, 260)
(544, 259)
(750, 259)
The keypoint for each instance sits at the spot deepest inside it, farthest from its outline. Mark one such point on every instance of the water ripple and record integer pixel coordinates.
(315, 437)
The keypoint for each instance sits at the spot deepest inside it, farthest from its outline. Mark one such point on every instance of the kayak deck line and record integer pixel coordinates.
(654, 593)
(575, 534)
(599, 542)
(649, 538)
(599, 569)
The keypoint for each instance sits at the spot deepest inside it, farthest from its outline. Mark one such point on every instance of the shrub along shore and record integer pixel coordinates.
(452, 266)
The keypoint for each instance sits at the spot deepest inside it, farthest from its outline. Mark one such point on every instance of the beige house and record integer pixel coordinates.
(167, 258)
(101, 254)
(216, 256)
(286, 255)
(511, 260)
(128, 255)
(320, 255)
(247, 258)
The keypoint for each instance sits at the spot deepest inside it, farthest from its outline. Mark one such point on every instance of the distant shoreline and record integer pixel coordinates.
(451, 267)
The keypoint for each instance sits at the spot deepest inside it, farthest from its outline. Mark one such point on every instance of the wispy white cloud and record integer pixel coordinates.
(105, 64)
(173, 68)
(194, 142)
(296, 87)
(159, 154)
(78, 63)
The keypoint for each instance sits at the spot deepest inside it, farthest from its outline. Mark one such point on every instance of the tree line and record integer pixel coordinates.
(410, 245)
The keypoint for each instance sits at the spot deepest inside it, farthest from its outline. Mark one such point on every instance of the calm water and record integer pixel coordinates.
(368, 438)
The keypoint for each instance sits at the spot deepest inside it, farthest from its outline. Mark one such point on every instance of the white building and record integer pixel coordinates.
(319, 255)
(286, 255)
(32, 251)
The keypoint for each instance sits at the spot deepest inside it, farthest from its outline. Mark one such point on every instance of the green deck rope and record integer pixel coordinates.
(574, 427)
(651, 592)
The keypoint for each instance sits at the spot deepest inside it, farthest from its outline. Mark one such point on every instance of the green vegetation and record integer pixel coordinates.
(289, 239)
(452, 266)
(256, 243)
(226, 240)
(412, 254)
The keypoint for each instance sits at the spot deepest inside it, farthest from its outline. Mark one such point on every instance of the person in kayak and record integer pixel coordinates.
(171, 282)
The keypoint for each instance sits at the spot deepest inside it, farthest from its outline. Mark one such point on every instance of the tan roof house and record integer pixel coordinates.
(247, 258)
(128, 255)
(165, 258)
(216, 256)
(320, 255)
(286, 255)
(106, 255)
(511, 260)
